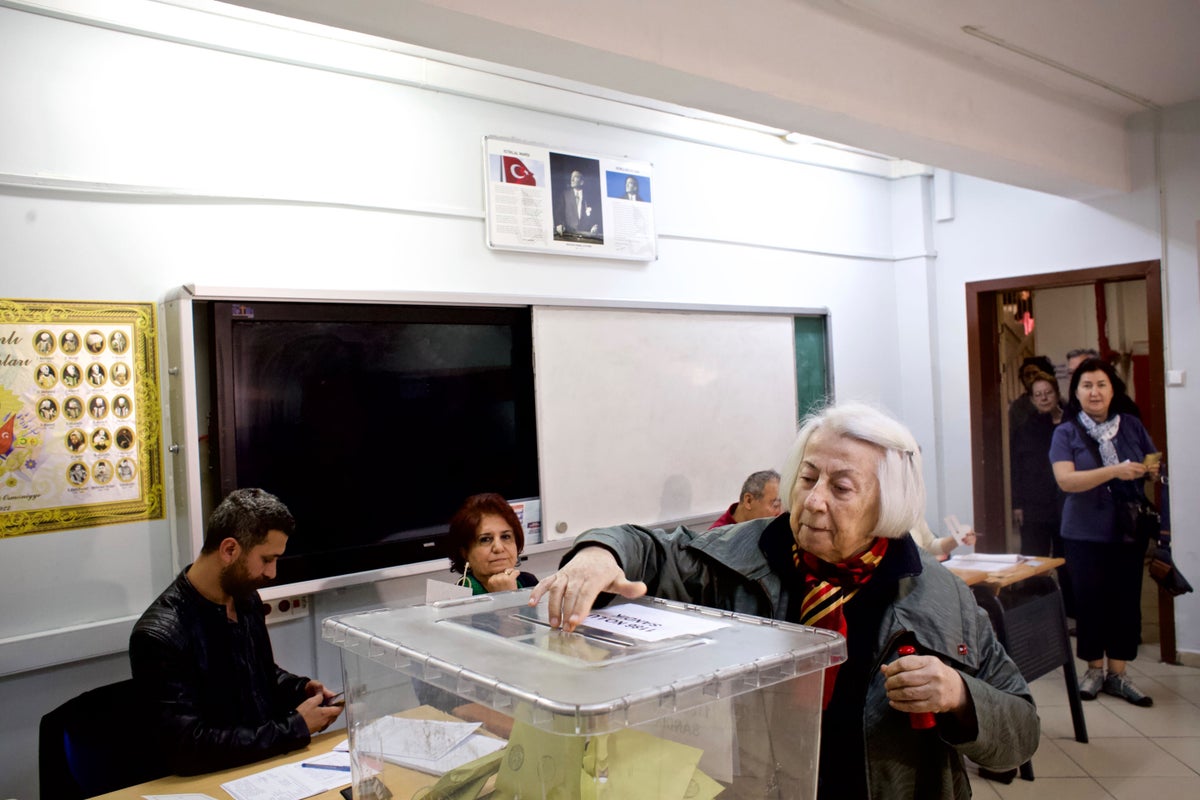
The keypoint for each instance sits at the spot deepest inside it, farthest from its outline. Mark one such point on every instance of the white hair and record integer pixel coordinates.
(901, 485)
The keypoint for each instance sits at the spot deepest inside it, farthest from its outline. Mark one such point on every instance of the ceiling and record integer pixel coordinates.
(1147, 48)
(1045, 103)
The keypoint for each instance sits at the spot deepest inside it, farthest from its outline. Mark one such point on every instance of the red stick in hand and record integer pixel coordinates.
(919, 720)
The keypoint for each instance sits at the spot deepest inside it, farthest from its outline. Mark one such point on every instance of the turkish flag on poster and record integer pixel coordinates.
(515, 171)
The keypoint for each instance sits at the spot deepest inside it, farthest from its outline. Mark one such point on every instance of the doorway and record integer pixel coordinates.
(989, 382)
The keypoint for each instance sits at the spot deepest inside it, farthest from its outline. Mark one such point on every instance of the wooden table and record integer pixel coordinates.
(404, 783)
(210, 783)
(997, 576)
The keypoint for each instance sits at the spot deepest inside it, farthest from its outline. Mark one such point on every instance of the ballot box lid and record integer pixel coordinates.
(632, 662)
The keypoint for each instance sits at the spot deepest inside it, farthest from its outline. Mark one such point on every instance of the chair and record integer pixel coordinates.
(95, 743)
(1030, 622)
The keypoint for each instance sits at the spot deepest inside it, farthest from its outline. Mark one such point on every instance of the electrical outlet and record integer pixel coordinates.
(282, 608)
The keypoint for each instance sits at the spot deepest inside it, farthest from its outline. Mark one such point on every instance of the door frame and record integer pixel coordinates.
(983, 370)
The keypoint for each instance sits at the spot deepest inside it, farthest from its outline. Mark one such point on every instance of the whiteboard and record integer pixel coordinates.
(651, 416)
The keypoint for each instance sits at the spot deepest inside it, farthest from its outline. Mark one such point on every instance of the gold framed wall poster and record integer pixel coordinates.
(80, 418)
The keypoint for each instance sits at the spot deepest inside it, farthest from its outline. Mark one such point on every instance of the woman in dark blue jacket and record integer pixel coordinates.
(1098, 457)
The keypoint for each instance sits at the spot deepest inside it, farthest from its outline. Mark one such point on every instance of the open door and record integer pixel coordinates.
(989, 407)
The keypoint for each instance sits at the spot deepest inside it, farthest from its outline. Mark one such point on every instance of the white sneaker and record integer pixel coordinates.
(1091, 683)
(1118, 684)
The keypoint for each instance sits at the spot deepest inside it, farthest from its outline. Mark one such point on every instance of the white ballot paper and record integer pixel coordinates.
(431, 746)
(988, 561)
(291, 781)
(649, 624)
(958, 530)
(416, 738)
(474, 746)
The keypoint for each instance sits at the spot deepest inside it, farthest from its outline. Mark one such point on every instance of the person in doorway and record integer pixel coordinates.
(201, 656)
(1098, 459)
(1125, 403)
(1036, 499)
(759, 498)
(1022, 408)
(485, 544)
(1078, 356)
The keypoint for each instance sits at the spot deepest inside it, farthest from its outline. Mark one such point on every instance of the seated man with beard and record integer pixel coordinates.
(202, 659)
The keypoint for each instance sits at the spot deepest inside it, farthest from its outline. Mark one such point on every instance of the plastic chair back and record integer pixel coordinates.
(94, 743)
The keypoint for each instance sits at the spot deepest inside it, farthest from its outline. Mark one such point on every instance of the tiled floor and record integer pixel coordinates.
(1132, 753)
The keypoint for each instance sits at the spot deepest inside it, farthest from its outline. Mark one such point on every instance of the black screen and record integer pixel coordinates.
(372, 422)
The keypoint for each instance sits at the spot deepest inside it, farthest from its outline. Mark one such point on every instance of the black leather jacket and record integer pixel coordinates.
(214, 692)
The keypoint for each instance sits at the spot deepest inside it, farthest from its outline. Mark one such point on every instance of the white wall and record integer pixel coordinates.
(130, 165)
(224, 169)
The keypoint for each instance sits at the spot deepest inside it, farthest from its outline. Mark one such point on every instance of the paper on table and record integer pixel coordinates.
(474, 747)
(190, 796)
(288, 782)
(649, 624)
(983, 559)
(417, 738)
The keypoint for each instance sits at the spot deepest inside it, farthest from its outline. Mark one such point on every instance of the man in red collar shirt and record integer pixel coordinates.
(759, 498)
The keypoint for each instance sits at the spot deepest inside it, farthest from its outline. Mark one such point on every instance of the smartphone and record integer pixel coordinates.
(338, 699)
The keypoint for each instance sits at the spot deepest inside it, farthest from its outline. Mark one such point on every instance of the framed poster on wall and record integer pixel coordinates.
(79, 415)
(551, 201)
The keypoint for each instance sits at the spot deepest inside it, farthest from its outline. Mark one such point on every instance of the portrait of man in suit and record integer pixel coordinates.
(631, 188)
(577, 214)
(626, 186)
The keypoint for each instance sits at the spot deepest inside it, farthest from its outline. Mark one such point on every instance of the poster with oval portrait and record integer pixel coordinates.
(79, 415)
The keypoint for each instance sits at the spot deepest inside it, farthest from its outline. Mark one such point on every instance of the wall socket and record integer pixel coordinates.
(281, 608)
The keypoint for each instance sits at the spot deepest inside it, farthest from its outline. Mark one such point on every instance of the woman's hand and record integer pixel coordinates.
(924, 684)
(1129, 470)
(502, 581)
(1072, 480)
(574, 588)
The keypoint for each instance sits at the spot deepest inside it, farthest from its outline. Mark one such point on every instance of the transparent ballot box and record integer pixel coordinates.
(480, 698)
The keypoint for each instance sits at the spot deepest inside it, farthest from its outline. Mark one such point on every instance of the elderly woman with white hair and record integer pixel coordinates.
(841, 557)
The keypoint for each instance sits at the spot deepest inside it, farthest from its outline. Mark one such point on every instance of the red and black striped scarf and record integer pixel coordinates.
(828, 587)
